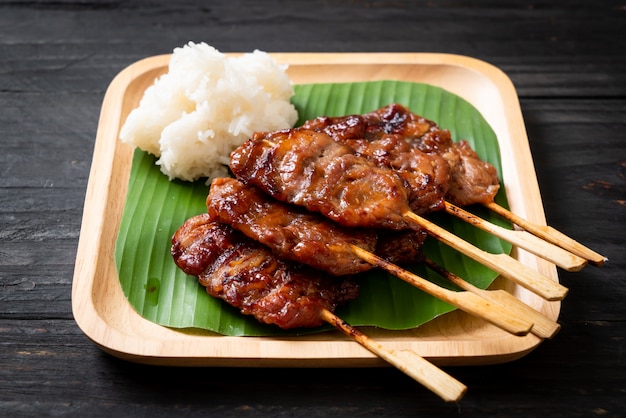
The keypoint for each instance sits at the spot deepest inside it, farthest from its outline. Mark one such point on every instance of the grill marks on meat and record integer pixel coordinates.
(360, 171)
(290, 232)
(471, 179)
(427, 176)
(424, 155)
(310, 169)
(249, 277)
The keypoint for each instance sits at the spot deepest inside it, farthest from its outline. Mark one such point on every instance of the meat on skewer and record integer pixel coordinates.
(249, 277)
(428, 176)
(462, 176)
(471, 180)
(474, 181)
(292, 233)
(394, 137)
(264, 219)
(310, 169)
(197, 241)
(298, 235)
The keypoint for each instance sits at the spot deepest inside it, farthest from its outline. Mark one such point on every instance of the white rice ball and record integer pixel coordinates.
(207, 105)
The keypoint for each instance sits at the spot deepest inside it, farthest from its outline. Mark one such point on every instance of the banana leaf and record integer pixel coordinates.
(155, 208)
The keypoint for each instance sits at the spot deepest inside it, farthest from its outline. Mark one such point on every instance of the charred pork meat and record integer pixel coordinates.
(290, 232)
(297, 235)
(249, 277)
(427, 176)
(310, 169)
(397, 138)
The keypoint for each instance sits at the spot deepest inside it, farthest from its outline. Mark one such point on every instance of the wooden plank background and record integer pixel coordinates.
(567, 61)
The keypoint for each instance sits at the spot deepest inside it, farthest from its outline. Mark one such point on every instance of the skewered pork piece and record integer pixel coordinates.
(264, 217)
(249, 277)
(471, 180)
(395, 137)
(310, 169)
(258, 207)
(291, 232)
(428, 176)
(298, 235)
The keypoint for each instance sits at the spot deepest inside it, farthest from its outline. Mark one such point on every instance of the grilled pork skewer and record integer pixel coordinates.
(393, 136)
(248, 276)
(308, 168)
(297, 235)
(300, 236)
(435, 168)
(472, 181)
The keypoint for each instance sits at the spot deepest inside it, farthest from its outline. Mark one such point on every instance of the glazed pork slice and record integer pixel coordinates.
(395, 137)
(310, 169)
(472, 180)
(427, 175)
(249, 277)
(289, 231)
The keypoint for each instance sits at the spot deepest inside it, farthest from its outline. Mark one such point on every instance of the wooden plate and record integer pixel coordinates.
(103, 313)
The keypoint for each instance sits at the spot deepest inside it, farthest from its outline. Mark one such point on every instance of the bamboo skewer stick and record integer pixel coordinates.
(415, 366)
(503, 264)
(543, 326)
(523, 239)
(466, 301)
(551, 235)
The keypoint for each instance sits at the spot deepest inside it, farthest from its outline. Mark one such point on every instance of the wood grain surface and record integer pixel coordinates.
(567, 62)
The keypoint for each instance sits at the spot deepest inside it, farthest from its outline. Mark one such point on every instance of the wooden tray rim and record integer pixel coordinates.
(115, 327)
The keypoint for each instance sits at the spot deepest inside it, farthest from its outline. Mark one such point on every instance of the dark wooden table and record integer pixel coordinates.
(57, 58)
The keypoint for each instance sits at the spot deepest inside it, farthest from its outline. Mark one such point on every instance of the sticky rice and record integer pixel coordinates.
(205, 106)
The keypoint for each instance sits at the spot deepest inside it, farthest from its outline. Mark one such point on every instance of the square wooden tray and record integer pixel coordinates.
(103, 313)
